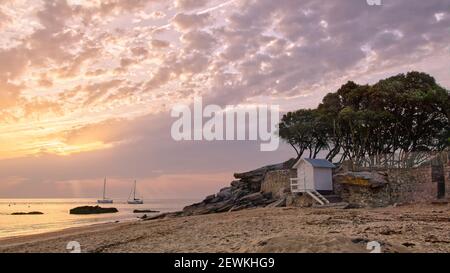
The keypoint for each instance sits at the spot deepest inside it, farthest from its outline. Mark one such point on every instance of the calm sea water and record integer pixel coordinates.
(56, 213)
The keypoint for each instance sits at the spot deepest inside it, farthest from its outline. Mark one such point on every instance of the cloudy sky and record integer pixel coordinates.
(86, 86)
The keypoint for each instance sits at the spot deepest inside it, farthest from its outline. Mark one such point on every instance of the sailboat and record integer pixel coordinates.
(135, 201)
(104, 200)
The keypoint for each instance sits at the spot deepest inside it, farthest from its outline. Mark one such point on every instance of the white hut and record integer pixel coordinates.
(313, 175)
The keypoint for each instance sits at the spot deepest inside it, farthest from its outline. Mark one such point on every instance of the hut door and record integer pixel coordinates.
(438, 176)
(301, 177)
(441, 189)
(309, 178)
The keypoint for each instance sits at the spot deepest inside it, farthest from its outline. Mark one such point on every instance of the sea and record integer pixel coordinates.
(56, 213)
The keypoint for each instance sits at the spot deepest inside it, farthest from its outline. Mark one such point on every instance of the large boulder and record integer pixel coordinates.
(92, 210)
(362, 179)
(365, 189)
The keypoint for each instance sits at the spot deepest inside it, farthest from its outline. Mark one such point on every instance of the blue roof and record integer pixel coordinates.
(320, 163)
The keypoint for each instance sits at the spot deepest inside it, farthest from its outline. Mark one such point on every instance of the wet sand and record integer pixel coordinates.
(418, 228)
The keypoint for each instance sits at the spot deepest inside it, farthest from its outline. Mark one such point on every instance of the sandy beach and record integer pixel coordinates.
(415, 228)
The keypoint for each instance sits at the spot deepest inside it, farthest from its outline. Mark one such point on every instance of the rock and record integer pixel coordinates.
(145, 211)
(389, 231)
(255, 174)
(225, 193)
(362, 179)
(367, 189)
(360, 240)
(27, 213)
(235, 183)
(155, 217)
(237, 194)
(209, 198)
(252, 197)
(216, 199)
(92, 210)
(261, 171)
(299, 200)
(277, 204)
(164, 216)
(214, 208)
(267, 195)
(191, 210)
(352, 206)
(238, 207)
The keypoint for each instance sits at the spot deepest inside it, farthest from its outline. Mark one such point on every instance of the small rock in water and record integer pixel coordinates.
(27, 213)
(92, 210)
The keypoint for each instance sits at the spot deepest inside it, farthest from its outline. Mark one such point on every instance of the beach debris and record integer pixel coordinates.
(92, 210)
(27, 213)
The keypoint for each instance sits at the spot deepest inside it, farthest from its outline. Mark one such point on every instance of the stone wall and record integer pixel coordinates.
(278, 182)
(412, 185)
(447, 175)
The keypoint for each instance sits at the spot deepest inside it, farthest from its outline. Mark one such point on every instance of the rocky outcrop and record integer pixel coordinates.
(92, 210)
(243, 193)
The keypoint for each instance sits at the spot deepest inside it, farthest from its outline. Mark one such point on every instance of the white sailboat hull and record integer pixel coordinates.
(106, 201)
(136, 202)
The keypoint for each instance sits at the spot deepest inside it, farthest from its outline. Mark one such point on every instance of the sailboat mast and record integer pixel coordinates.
(134, 191)
(104, 189)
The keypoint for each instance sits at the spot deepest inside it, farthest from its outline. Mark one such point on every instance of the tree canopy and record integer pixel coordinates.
(401, 115)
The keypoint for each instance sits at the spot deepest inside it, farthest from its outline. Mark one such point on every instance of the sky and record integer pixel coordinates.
(86, 86)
